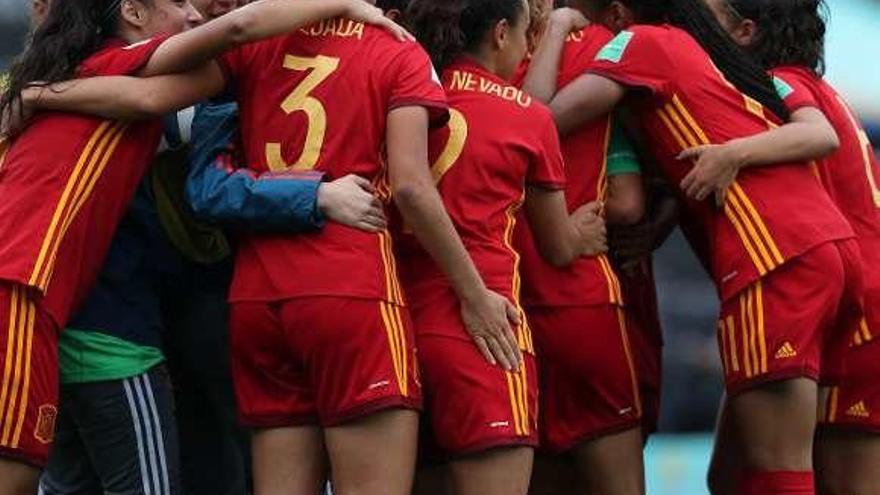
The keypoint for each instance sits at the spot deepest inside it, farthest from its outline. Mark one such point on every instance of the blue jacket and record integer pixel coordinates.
(141, 264)
(220, 190)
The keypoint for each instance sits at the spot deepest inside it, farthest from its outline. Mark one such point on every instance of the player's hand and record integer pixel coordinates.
(715, 168)
(15, 119)
(352, 201)
(489, 320)
(591, 229)
(366, 12)
(567, 19)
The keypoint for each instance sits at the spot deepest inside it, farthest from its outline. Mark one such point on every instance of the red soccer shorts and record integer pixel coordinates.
(29, 385)
(474, 406)
(648, 356)
(646, 338)
(589, 385)
(795, 322)
(321, 360)
(855, 403)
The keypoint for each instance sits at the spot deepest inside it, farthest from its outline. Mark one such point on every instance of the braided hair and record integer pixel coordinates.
(790, 32)
(449, 28)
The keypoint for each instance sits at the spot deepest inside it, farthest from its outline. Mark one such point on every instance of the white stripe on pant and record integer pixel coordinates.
(148, 432)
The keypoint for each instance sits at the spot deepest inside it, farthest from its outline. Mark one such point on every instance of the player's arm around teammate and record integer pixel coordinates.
(188, 55)
(221, 190)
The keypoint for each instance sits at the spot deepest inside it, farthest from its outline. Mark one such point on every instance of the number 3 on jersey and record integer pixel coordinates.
(300, 100)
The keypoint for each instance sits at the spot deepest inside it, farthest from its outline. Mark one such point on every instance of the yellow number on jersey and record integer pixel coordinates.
(458, 132)
(299, 100)
(867, 150)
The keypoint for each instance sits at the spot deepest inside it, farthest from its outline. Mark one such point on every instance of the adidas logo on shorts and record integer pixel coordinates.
(859, 410)
(786, 351)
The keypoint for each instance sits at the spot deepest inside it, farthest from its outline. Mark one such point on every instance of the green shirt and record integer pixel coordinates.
(88, 356)
(622, 158)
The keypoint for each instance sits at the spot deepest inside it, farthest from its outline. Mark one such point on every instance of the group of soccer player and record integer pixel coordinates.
(522, 163)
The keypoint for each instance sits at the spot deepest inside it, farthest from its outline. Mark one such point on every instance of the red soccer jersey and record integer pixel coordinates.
(498, 140)
(850, 174)
(773, 213)
(318, 99)
(587, 281)
(66, 183)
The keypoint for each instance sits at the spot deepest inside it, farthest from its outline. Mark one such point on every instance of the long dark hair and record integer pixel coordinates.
(790, 32)
(72, 31)
(738, 67)
(449, 28)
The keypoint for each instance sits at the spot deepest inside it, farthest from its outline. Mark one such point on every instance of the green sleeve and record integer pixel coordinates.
(622, 158)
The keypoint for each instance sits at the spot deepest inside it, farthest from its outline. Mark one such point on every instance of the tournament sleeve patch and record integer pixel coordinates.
(782, 88)
(613, 51)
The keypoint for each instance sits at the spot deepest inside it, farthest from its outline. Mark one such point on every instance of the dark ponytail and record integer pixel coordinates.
(693, 16)
(737, 66)
(72, 31)
(449, 28)
(790, 32)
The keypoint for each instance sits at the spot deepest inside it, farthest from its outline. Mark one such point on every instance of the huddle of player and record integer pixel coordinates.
(492, 277)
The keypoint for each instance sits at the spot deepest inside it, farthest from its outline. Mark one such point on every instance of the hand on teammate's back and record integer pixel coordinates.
(15, 118)
(715, 168)
(591, 228)
(352, 201)
(488, 320)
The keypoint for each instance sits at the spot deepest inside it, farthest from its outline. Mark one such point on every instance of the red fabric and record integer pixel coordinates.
(356, 75)
(796, 322)
(646, 336)
(774, 214)
(29, 390)
(589, 384)
(474, 406)
(66, 183)
(511, 142)
(321, 360)
(851, 175)
(778, 483)
(587, 281)
(855, 403)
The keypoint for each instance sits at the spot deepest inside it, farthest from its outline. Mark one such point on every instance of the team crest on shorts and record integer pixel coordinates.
(44, 431)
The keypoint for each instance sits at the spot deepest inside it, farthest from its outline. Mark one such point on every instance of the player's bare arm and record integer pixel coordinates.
(626, 199)
(561, 238)
(487, 315)
(809, 136)
(541, 80)
(259, 20)
(186, 59)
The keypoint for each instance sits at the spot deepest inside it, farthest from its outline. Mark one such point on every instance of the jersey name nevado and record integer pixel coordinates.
(468, 81)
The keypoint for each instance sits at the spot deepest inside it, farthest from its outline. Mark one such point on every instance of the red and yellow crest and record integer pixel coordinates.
(44, 431)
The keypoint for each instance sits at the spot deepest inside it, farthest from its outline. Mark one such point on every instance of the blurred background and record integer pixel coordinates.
(677, 458)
